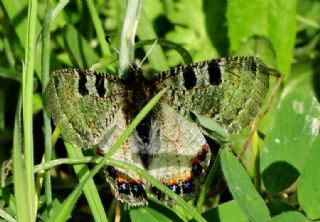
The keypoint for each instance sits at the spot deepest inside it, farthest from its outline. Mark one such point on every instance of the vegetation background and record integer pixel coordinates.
(37, 37)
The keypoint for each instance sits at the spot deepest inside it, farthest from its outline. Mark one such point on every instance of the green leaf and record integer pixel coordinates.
(258, 46)
(242, 189)
(212, 128)
(185, 55)
(216, 25)
(190, 29)
(288, 143)
(63, 212)
(146, 31)
(43, 215)
(308, 14)
(272, 19)
(149, 214)
(82, 54)
(6, 216)
(282, 31)
(277, 206)
(226, 212)
(289, 217)
(10, 200)
(10, 74)
(309, 182)
(302, 78)
(16, 11)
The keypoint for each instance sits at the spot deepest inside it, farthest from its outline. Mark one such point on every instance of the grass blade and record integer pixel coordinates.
(90, 190)
(24, 210)
(44, 81)
(27, 93)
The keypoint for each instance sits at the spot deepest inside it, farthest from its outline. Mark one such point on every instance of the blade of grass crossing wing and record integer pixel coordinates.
(63, 212)
(90, 190)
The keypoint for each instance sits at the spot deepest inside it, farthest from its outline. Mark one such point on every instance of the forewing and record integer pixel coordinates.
(82, 104)
(229, 90)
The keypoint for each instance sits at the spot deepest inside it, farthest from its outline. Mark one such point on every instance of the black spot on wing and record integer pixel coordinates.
(82, 83)
(100, 85)
(214, 72)
(187, 186)
(56, 81)
(112, 172)
(172, 72)
(175, 188)
(254, 67)
(190, 79)
(138, 190)
(123, 188)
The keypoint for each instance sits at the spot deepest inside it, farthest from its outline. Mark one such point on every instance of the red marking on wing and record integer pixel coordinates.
(204, 150)
(195, 161)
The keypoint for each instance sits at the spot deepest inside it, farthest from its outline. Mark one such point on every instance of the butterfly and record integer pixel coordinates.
(93, 109)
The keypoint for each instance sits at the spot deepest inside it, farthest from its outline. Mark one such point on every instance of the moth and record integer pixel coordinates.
(93, 109)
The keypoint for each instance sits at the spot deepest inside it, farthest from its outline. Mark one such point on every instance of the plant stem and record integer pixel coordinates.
(27, 93)
(44, 80)
(129, 29)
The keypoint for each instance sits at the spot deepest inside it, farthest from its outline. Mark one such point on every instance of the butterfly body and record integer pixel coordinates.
(94, 109)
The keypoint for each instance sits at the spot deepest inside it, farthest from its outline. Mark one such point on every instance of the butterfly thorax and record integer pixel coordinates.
(138, 94)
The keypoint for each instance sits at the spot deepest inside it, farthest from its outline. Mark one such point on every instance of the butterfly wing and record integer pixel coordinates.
(126, 185)
(229, 90)
(82, 104)
(178, 156)
(182, 155)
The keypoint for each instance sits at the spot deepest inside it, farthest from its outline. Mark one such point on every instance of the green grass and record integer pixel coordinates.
(275, 174)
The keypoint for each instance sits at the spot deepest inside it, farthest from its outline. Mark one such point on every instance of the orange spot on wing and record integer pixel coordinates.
(122, 180)
(137, 180)
(163, 181)
(186, 176)
(174, 180)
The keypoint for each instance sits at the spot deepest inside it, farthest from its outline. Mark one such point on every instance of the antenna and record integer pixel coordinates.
(148, 53)
(107, 38)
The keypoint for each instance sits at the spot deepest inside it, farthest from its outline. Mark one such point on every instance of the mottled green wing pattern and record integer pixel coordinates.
(229, 90)
(82, 104)
(94, 109)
